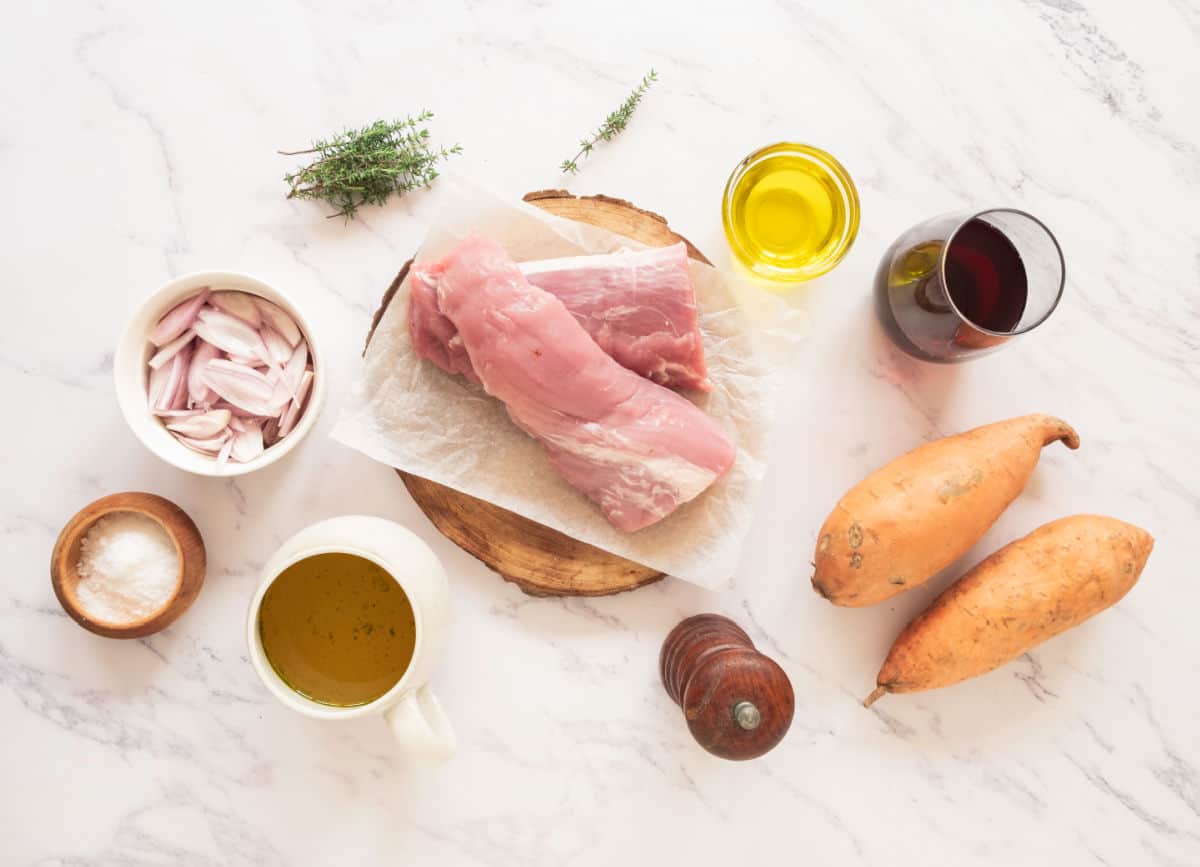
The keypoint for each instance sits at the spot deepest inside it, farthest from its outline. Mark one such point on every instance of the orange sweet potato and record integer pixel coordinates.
(907, 521)
(1030, 590)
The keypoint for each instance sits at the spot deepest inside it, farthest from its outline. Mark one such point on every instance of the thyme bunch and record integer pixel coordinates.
(613, 124)
(366, 166)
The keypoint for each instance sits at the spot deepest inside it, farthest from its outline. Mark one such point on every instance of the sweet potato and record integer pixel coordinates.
(1030, 590)
(907, 521)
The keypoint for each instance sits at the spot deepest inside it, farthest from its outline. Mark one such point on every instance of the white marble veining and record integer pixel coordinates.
(138, 142)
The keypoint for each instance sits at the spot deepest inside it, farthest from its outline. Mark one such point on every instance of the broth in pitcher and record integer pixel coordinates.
(338, 629)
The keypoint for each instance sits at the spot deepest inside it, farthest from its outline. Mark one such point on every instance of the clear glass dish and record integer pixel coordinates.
(790, 212)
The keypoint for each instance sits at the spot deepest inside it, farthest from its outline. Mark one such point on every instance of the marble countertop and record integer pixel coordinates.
(139, 143)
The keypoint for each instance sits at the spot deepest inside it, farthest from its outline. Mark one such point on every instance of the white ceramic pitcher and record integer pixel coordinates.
(410, 708)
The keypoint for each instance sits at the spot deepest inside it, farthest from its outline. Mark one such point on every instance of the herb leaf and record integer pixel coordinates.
(366, 166)
(613, 124)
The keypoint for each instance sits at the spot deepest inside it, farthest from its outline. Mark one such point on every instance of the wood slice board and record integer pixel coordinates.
(539, 560)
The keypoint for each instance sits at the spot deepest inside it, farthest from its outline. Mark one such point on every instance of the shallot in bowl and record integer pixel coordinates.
(217, 373)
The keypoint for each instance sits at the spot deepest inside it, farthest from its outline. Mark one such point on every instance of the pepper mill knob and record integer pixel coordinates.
(738, 703)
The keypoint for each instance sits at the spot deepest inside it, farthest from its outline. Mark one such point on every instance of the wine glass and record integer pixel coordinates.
(964, 284)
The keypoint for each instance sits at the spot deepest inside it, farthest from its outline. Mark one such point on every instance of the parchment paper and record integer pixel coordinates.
(409, 414)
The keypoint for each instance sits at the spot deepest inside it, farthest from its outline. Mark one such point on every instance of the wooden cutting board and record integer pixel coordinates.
(539, 560)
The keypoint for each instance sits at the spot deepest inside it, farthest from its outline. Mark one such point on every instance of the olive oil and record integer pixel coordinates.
(790, 212)
(338, 629)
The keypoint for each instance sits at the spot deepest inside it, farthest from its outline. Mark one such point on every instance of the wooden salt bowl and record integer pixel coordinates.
(64, 561)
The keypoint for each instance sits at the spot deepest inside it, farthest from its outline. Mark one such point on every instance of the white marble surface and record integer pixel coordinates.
(138, 143)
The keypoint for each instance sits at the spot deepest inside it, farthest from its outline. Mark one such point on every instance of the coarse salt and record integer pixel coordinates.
(128, 568)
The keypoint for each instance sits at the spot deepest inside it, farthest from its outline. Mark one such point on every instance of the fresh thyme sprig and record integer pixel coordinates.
(612, 125)
(366, 166)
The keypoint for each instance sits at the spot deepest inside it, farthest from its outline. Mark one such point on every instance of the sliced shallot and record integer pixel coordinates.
(230, 334)
(198, 392)
(179, 318)
(240, 385)
(174, 390)
(279, 348)
(288, 420)
(288, 385)
(211, 446)
(226, 451)
(184, 359)
(238, 304)
(248, 443)
(279, 320)
(246, 360)
(203, 426)
(169, 351)
(156, 385)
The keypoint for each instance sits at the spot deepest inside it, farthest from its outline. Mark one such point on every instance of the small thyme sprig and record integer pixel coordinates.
(366, 166)
(612, 125)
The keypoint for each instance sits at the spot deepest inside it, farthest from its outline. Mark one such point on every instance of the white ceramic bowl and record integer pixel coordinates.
(131, 373)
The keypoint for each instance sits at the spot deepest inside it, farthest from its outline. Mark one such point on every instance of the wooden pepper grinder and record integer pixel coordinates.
(738, 703)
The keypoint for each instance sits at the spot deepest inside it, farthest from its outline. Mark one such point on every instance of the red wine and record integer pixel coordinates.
(985, 277)
(956, 286)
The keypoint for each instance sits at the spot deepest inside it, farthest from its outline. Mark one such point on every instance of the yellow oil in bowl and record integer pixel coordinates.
(790, 212)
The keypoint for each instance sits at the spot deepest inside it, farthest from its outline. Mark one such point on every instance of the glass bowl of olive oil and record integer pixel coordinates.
(790, 212)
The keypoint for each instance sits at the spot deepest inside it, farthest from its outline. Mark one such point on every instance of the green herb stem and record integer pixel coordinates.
(613, 124)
